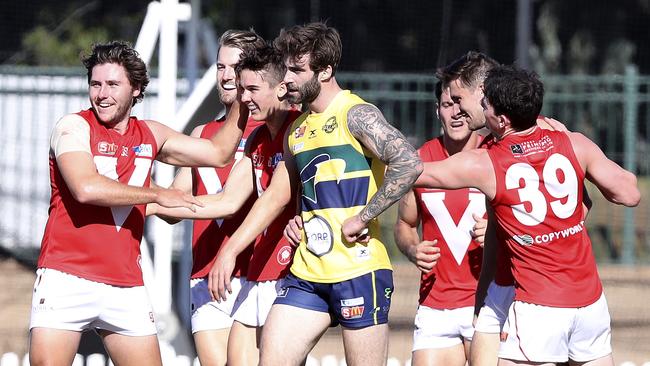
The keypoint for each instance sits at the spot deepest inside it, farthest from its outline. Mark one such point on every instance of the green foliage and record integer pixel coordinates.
(49, 49)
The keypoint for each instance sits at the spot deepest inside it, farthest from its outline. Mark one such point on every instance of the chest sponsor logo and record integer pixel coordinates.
(319, 236)
(106, 148)
(458, 237)
(298, 147)
(299, 132)
(274, 160)
(330, 125)
(526, 240)
(145, 150)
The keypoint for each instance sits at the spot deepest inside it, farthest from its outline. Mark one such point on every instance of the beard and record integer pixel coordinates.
(225, 97)
(306, 93)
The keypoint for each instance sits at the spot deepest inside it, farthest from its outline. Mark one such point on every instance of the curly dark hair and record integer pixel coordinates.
(266, 59)
(121, 53)
(320, 42)
(516, 93)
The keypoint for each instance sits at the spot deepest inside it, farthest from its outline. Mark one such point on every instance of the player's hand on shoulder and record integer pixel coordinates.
(293, 230)
(426, 255)
(479, 229)
(552, 124)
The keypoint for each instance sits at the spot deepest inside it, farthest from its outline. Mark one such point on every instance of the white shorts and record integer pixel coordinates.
(208, 314)
(436, 328)
(494, 312)
(254, 302)
(64, 301)
(539, 333)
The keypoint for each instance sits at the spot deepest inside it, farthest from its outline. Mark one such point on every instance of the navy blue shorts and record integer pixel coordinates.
(356, 303)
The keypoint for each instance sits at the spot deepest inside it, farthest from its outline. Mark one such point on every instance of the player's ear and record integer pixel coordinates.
(325, 74)
(281, 90)
(438, 111)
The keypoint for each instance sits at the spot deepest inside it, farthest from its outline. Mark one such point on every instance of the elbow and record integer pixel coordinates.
(418, 170)
(83, 193)
(633, 197)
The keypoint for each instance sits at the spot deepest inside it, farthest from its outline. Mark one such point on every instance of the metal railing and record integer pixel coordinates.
(612, 110)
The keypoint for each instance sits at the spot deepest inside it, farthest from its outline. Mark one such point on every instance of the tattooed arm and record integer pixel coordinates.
(368, 125)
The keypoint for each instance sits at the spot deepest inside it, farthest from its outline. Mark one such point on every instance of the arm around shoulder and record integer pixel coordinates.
(615, 183)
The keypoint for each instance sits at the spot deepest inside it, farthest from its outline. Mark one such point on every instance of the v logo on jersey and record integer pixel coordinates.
(457, 237)
(212, 184)
(107, 166)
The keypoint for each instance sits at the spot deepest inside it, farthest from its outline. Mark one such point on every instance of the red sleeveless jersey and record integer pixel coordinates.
(273, 254)
(98, 243)
(538, 206)
(503, 267)
(447, 216)
(209, 235)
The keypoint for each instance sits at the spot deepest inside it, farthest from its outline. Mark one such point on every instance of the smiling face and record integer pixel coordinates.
(260, 97)
(226, 78)
(111, 94)
(453, 124)
(301, 81)
(467, 101)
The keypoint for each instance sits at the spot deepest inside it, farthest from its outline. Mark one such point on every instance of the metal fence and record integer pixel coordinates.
(613, 110)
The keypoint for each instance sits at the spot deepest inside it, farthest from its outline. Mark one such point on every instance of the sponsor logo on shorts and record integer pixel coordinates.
(151, 317)
(330, 125)
(352, 312)
(106, 148)
(284, 255)
(143, 150)
(388, 292)
(282, 292)
(352, 302)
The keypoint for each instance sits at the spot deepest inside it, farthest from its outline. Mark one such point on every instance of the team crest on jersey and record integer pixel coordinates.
(143, 150)
(516, 149)
(299, 132)
(284, 255)
(330, 125)
(106, 148)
